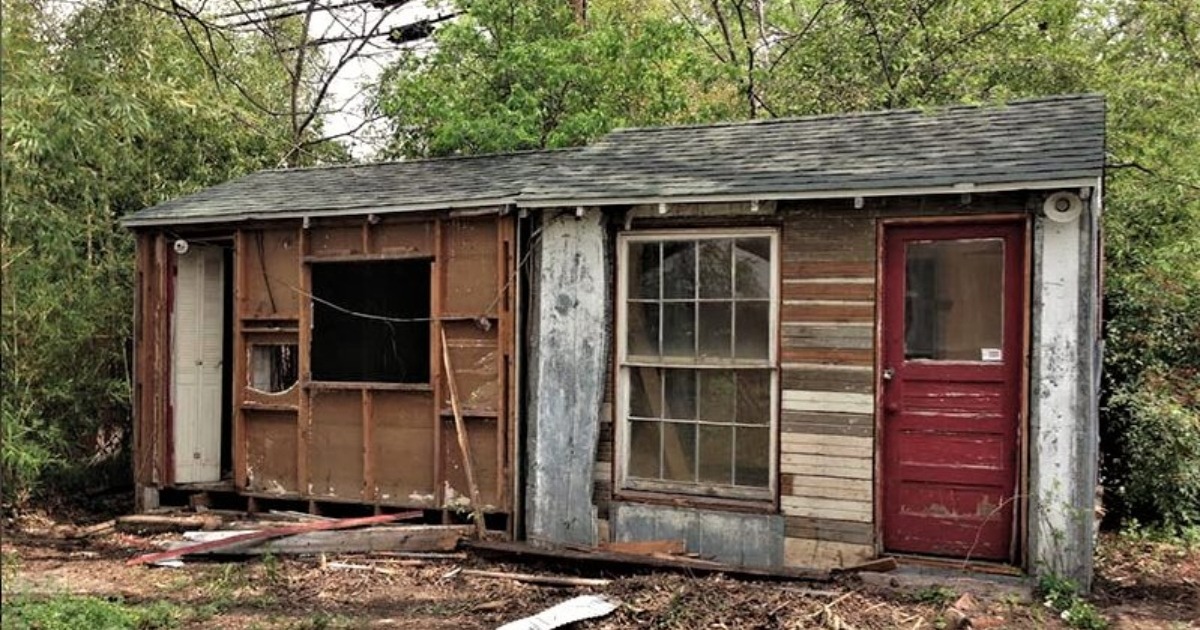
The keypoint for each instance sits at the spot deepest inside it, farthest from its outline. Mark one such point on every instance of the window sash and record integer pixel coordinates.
(627, 361)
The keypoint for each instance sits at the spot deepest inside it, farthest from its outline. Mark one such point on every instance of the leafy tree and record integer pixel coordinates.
(106, 111)
(526, 74)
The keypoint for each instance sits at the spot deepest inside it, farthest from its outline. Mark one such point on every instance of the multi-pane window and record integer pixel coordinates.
(697, 357)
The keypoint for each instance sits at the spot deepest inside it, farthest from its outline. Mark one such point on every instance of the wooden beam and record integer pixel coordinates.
(236, 388)
(435, 368)
(549, 580)
(460, 428)
(267, 534)
(368, 443)
(404, 538)
(304, 366)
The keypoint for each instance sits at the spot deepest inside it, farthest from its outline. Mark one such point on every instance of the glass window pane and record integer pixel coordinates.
(753, 397)
(716, 454)
(644, 449)
(679, 329)
(679, 270)
(645, 392)
(679, 451)
(716, 329)
(717, 395)
(752, 459)
(680, 394)
(753, 320)
(753, 257)
(954, 306)
(642, 323)
(716, 268)
(643, 273)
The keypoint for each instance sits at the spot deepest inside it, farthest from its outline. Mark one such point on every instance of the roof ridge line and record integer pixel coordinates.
(877, 113)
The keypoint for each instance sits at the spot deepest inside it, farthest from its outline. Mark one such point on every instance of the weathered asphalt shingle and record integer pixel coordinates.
(1040, 140)
(1026, 141)
(413, 185)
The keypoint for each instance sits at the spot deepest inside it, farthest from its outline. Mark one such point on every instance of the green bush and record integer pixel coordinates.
(69, 612)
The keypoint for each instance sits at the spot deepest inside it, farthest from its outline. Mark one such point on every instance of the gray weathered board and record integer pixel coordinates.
(567, 379)
(373, 539)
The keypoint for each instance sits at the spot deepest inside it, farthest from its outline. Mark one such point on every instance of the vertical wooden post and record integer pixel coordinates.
(368, 432)
(239, 360)
(460, 428)
(502, 356)
(304, 366)
(435, 372)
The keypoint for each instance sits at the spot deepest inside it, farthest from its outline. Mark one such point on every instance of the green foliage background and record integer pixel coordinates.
(112, 113)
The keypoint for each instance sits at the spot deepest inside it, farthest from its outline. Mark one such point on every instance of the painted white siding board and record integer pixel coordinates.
(197, 347)
(1063, 425)
(569, 355)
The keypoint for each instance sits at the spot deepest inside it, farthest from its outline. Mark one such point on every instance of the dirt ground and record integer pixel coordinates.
(1139, 585)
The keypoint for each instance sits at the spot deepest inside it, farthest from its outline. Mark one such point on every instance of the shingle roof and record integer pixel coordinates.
(461, 182)
(1043, 140)
(1039, 140)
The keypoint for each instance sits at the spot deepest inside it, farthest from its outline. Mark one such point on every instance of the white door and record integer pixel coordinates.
(196, 345)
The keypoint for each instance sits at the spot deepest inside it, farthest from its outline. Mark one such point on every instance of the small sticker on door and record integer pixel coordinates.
(991, 354)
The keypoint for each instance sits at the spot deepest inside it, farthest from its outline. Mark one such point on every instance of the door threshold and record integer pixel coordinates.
(969, 566)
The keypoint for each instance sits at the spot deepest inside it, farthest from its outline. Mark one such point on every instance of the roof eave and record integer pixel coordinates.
(133, 222)
(838, 193)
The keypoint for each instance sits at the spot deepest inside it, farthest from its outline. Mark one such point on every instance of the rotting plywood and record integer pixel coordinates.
(482, 436)
(402, 238)
(336, 240)
(335, 461)
(470, 248)
(271, 275)
(475, 355)
(270, 451)
(403, 441)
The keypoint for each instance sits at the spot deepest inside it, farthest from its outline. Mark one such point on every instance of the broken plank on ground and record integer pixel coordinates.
(250, 538)
(409, 538)
(165, 523)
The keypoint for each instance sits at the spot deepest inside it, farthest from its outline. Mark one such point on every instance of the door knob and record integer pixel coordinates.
(889, 373)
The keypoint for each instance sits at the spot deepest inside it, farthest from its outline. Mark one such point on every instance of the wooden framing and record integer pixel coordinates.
(278, 257)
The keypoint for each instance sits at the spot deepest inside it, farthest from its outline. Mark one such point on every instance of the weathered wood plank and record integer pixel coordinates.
(836, 356)
(568, 366)
(820, 465)
(830, 380)
(858, 425)
(373, 539)
(859, 511)
(826, 529)
(814, 311)
(802, 290)
(862, 268)
(831, 402)
(825, 554)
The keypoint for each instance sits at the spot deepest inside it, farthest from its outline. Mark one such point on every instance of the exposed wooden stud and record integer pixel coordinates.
(304, 366)
(240, 462)
(435, 369)
(464, 443)
(368, 442)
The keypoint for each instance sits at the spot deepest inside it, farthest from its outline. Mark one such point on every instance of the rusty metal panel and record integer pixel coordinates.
(335, 450)
(752, 540)
(403, 448)
(268, 264)
(469, 262)
(270, 451)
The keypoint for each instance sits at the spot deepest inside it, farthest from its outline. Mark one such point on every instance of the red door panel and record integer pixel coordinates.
(952, 345)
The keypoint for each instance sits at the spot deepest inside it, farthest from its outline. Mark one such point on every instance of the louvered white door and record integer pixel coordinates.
(197, 341)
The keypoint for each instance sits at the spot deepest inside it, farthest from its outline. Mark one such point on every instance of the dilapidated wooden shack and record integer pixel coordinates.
(790, 343)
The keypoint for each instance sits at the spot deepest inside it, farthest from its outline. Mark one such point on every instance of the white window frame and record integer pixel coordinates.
(697, 490)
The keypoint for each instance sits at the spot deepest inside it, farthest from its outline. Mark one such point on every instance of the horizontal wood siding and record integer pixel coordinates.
(827, 347)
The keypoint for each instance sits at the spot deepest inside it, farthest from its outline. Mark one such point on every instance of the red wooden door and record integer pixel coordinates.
(952, 335)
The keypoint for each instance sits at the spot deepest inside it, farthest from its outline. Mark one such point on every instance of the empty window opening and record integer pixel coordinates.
(379, 329)
(273, 368)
